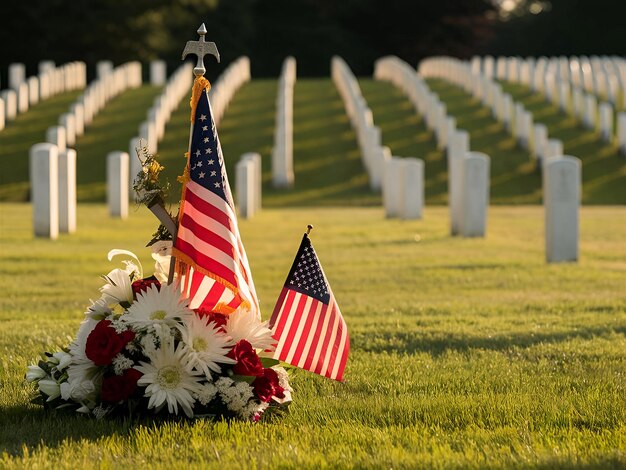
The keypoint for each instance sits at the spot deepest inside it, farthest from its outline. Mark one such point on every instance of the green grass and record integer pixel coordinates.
(465, 352)
(604, 170)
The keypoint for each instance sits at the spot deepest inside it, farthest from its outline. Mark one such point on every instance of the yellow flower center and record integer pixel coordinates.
(158, 315)
(199, 344)
(169, 377)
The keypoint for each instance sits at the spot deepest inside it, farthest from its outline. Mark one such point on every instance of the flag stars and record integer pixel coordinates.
(211, 162)
(199, 164)
(205, 128)
(213, 173)
(201, 175)
(203, 117)
(198, 153)
(207, 151)
(217, 185)
(206, 140)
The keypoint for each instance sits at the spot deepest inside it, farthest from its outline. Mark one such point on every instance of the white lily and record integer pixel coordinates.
(162, 255)
(64, 359)
(134, 270)
(50, 387)
(35, 373)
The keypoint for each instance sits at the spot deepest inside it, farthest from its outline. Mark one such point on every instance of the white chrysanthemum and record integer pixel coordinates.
(205, 345)
(118, 288)
(83, 374)
(162, 255)
(167, 379)
(243, 324)
(99, 309)
(158, 307)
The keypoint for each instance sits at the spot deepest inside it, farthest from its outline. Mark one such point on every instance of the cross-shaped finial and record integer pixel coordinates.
(200, 48)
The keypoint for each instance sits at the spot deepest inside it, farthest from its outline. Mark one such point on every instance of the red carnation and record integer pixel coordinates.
(104, 343)
(218, 318)
(248, 362)
(266, 386)
(119, 387)
(142, 285)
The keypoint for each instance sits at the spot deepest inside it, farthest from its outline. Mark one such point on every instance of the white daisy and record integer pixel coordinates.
(243, 324)
(168, 379)
(118, 288)
(158, 307)
(83, 375)
(99, 309)
(205, 345)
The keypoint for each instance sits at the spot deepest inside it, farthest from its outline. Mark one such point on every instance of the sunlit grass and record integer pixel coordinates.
(465, 352)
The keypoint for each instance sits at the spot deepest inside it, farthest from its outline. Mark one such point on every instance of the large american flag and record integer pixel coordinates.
(306, 321)
(214, 272)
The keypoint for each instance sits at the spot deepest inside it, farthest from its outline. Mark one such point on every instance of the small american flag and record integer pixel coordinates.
(306, 322)
(212, 262)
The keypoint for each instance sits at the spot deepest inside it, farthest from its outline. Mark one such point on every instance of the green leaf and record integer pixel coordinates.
(243, 378)
(269, 362)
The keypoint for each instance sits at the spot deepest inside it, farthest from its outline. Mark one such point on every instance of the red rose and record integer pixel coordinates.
(142, 285)
(266, 386)
(218, 318)
(119, 387)
(103, 343)
(248, 362)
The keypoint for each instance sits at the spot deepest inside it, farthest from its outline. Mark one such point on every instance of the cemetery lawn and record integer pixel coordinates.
(465, 352)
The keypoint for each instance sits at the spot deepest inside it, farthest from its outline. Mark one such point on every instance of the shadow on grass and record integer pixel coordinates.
(411, 342)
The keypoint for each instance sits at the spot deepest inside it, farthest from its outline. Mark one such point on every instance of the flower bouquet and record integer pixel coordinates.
(141, 348)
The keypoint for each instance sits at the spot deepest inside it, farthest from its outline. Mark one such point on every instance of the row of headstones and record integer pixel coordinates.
(152, 130)
(373, 154)
(468, 174)
(571, 98)
(282, 152)
(110, 83)
(26, 92)
(603, 76)
(517, 121)
(226, 85)
(561, 173)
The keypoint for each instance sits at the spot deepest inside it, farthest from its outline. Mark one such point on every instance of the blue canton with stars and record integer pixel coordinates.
(306, 274)
(206, 162)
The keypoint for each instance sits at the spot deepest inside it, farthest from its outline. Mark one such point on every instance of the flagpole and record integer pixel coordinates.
(200, 48)
(308, 229)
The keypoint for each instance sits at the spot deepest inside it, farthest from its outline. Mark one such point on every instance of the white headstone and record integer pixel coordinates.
(540, 140)
(79, 118)
(561, 198)
(10, 104)
(475, 194)
(2, 110)
(379, 157)
(104, 68)
(606, 121)
(412, 188)
(44, 190)
(147, 131)
(459, 145)
(245, 190)
(256, 160)
(391, 187)
(158, 73)
(590, 111)
(67, 191)
(57, 135)
(22, 97)
(46, 66)
(17, 75)
(68, 122)
(33, 91)
(117, 184)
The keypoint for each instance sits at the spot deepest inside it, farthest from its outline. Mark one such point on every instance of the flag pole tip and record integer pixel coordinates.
(308, 229)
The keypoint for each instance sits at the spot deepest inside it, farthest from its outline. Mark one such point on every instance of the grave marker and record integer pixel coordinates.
(44, 187)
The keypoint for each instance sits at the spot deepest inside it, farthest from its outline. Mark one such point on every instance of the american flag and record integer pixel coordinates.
(215, 272)
(306, 322)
